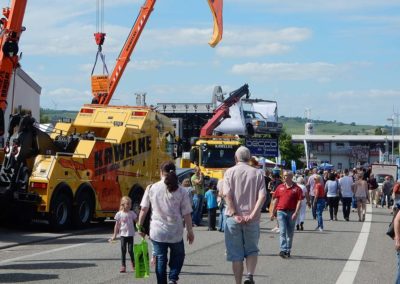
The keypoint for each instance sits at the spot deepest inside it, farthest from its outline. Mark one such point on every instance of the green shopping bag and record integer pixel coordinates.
(142, 265)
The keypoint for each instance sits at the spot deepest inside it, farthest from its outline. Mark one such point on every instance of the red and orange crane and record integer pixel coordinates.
(10, 32)
(103, 86)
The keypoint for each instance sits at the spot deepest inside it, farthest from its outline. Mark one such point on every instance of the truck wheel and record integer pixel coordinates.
(83, 210)
(60, 213)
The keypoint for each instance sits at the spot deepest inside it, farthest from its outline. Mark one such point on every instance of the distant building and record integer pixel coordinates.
(347, 151)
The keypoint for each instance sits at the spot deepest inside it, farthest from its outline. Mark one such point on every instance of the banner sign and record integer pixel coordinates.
(263, 147)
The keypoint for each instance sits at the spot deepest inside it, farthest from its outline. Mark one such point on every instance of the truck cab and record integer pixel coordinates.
(213, 155)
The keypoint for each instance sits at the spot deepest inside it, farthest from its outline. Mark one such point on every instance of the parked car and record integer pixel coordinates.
(184, 173)
(255, 122)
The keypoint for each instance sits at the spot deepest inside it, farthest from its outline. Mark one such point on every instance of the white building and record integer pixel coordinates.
(347, 151)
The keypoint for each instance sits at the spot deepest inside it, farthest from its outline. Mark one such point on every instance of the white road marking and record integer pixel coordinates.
(349, 271)
(42, 253)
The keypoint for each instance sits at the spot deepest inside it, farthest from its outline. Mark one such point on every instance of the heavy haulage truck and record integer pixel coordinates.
(81, 169)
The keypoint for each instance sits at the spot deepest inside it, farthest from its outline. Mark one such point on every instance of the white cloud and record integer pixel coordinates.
(156, 64)
(320, 71)
(252, 51)
(260, 42)
(382, 95)
(316, 6)
(253, 35)
(65, 98)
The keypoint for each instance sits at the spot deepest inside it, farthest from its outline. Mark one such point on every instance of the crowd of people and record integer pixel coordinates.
(243, 193)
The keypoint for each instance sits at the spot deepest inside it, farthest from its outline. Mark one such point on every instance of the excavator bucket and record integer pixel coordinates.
(216, 10)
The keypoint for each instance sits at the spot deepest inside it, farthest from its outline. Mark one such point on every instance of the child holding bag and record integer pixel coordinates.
(124, 220)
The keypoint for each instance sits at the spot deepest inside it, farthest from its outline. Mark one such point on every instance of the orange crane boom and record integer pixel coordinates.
(125, 54)
(103, 87)
(11, 29)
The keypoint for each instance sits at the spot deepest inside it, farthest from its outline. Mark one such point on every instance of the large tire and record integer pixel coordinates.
(82, 212)
(60, 212)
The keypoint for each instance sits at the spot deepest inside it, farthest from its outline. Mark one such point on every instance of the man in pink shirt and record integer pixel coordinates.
(244, 191)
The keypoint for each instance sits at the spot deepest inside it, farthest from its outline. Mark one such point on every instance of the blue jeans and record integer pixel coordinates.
(176, 258)
(313, 209)
(320, 210)
(197, 215)
(385, 199)
(286, 229)
(222, 220)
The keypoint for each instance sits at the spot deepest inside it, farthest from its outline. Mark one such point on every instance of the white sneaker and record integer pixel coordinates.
(321, 230)
(278, 231)
(275, 229)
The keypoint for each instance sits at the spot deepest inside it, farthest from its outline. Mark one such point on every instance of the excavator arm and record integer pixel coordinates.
(222, 112)
(103, 95)
(11, 29)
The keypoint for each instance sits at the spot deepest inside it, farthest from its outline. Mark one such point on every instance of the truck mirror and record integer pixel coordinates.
(193, 141)
(194, 155)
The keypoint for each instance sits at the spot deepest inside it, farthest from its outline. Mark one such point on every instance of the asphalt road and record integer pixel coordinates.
(32, 255)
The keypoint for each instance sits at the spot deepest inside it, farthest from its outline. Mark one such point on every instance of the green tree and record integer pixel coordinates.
(378, 131)
(43, 117)
(290, 151)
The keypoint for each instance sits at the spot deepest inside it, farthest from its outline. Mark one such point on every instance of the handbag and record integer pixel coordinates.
(141, 255)
(390, 230)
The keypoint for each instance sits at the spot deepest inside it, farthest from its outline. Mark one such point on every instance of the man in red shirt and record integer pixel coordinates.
(287, 201)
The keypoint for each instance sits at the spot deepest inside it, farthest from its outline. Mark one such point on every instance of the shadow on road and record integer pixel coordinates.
(47, 265)
(25, 277)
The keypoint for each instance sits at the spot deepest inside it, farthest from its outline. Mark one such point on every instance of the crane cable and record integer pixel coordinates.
(100, 35)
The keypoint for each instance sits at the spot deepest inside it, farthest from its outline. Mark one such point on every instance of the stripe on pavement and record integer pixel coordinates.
(349, 271)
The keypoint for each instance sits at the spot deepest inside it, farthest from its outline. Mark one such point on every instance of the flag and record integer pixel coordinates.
(216, 10)
(294, 168)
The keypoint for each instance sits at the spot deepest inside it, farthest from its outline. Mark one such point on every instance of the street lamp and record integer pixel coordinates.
(392, 120)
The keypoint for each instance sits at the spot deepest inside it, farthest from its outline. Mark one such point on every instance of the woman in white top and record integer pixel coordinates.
(360, 190)
(332, 190)
(170, 204)
(306, 200)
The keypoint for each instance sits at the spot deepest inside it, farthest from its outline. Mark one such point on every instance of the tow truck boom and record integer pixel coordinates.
(103, 96)
(222, 112)
(126, 51)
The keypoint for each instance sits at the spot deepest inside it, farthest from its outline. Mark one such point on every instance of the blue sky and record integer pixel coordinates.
(340, 59)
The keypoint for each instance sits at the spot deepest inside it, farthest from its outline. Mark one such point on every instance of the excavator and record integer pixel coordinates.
(79, 171)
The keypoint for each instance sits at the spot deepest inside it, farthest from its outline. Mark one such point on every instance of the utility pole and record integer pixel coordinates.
(392, 120)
